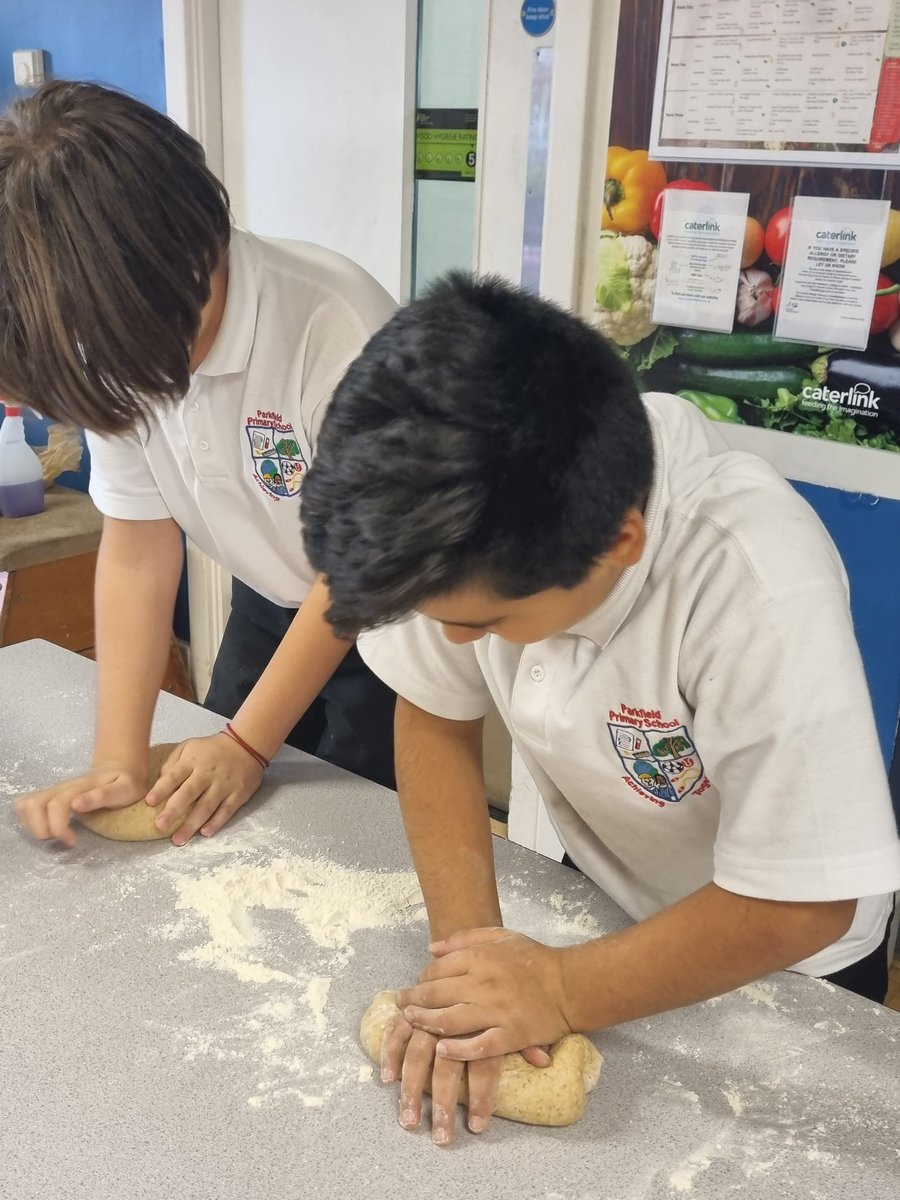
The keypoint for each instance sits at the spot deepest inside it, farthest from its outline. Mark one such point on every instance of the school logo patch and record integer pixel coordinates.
(663, 763)
(278, 462)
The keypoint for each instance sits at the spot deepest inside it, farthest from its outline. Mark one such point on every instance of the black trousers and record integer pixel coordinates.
(868, 977)
(350, 723)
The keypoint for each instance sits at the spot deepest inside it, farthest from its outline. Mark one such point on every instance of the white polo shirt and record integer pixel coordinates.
(227, 462)
(710, 720)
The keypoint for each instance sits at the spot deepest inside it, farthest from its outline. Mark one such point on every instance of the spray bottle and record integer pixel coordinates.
(21, 478)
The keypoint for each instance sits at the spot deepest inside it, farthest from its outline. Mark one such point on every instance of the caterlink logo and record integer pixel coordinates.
(836, 235)
(860, 396)
(710, 226)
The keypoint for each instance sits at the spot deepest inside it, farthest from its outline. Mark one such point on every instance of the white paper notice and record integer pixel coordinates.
(831, 272)
(772, 80)
(700, 245)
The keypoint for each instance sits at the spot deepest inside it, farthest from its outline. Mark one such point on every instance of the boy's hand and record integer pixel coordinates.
(415, 1051)
(208, 778)
(47, 813)
(503, 990)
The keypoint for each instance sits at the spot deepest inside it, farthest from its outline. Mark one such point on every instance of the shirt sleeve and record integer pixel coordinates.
(415, 659)
(784, 723)
(122, 485)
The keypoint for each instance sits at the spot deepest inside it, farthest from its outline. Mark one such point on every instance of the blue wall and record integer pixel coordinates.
(866, 531)
(118, 42)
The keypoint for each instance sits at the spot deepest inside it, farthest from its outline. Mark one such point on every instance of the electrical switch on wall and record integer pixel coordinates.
(28, 67)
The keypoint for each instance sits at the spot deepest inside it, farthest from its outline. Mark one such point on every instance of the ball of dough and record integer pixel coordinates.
(553, 1095)
(134, 823)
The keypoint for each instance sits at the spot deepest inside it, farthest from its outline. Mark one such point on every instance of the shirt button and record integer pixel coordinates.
(195, 407)
(204, 445)
(537, 673)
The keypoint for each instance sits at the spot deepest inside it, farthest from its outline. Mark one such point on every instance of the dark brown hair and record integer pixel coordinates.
(110, 225)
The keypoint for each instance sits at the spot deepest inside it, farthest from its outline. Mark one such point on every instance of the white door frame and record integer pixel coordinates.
(194, 100)
(193, 72)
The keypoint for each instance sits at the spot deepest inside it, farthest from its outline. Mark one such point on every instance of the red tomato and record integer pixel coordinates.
(683, 185)
(886, 309)
(775, 297)
(777, 235)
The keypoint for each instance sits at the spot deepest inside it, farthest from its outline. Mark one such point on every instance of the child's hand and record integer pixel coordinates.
(415, 1051)
(208, 778)
(503, 990)
(47, 813)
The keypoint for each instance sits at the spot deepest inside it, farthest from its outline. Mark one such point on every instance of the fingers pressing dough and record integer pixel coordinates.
(553, 1095)
(134, 823)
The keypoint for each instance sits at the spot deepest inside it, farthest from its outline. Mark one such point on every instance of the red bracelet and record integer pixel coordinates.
(236, 737)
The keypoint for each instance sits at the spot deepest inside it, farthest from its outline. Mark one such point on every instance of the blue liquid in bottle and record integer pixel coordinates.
(22, 499)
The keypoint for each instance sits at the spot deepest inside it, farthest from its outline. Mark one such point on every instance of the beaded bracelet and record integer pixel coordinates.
(236, 737)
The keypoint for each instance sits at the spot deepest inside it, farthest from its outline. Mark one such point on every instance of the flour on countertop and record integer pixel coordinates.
(760, 993)
(237, 910)
(556, 920)
(326, 901)
(766, 1119)
(48, 761)
(682, 1179)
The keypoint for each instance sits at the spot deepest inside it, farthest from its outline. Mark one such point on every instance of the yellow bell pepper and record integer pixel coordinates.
(891, 251)
(632, 184)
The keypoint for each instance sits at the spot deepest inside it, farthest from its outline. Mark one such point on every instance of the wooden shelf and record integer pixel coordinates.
(47, 566)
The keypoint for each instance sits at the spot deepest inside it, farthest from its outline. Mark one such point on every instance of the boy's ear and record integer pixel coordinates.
(628, 547)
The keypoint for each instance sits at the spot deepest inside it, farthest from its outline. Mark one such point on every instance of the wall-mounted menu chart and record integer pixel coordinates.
(779, 81)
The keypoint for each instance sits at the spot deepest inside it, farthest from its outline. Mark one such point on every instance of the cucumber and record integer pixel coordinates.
(744, 346)
(740, 383)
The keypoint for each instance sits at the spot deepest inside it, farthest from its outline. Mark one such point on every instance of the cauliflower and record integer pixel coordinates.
(626, 278)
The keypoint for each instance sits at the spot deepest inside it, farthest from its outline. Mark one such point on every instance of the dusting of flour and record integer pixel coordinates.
(328, 902)
(285, 927)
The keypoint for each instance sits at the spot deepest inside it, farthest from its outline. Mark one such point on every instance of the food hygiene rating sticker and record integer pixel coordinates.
(446, 143)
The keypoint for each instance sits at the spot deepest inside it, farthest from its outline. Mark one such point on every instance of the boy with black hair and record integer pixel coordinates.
(664, 627)
(201, 359)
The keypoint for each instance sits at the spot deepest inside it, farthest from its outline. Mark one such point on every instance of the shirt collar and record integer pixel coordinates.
(230, 352)
(603, 622)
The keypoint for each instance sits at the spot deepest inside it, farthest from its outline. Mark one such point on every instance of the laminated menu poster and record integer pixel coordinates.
(756, 363)
(799, 81)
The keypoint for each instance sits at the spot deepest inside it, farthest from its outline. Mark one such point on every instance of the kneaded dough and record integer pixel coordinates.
(553, 1095)
(134, 823)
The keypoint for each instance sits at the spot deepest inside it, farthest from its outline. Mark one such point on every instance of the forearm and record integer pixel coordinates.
(707, 944)
(138, 570)
(307, 657)
(440, 781)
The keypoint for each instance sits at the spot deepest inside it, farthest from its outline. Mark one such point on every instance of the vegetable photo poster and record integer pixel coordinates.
(747, 375)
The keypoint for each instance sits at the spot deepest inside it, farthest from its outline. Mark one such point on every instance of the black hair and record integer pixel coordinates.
(484, 435)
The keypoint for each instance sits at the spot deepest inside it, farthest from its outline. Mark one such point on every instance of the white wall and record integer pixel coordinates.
(318, 119)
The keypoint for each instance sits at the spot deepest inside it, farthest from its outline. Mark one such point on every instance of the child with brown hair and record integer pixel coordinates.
(201, 360)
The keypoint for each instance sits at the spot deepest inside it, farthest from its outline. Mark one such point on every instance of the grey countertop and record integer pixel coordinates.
(182, 1023)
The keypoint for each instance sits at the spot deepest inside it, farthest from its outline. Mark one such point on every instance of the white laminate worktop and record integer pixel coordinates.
(176, 1024)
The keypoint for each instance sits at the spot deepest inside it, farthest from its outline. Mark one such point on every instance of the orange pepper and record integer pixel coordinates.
(632, 184)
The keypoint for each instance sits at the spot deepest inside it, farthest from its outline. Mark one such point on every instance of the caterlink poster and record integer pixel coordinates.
(748, 374)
